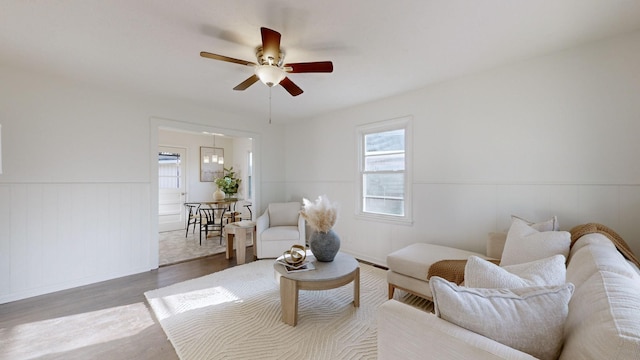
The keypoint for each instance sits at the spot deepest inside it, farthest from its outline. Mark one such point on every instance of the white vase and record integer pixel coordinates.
(218, 195)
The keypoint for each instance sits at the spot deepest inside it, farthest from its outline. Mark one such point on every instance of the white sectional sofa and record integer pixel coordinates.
(603, 320)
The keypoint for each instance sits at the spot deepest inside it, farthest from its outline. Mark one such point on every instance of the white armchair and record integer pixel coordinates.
(278, 228)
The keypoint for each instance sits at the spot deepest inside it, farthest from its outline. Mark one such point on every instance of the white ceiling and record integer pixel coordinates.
(379, 48)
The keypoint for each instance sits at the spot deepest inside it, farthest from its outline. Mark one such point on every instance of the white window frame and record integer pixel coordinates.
(382, 126)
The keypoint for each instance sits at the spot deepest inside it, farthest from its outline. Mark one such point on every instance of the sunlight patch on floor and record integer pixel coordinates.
(176, 304)
(37, 339)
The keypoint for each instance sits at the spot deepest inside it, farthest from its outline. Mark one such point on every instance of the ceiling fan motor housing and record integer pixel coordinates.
(269, 59)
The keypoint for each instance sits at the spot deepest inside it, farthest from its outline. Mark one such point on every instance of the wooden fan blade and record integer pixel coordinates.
(311, 67)
(270, 43)
(292, 88)
(225, 58)
(245, 84)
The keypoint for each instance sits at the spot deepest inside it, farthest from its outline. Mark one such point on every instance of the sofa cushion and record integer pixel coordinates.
(414, 260)
(284, 214)
(593, 255)
(480, 273)
(406, 332)
(591, 239)
(525, 244)
(495, 244)
(528, 319)
(603, 319)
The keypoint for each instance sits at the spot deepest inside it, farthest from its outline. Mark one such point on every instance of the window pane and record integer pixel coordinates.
(384, 185)
(168, 183)
(249, 176)
(168, 170)
(384, 141)
(391, 162)
(384, 206)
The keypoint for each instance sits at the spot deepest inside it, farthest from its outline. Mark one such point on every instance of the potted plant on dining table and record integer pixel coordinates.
(229, 182)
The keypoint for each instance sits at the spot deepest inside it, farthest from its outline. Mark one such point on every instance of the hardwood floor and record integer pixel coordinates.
(107, 320)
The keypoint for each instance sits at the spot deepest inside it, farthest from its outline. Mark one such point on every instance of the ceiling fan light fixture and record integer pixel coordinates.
(270, 75)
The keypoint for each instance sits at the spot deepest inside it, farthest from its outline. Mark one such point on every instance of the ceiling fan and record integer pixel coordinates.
(270, 67)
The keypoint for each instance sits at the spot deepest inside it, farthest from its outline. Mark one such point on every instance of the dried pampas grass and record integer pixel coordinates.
(321, 214)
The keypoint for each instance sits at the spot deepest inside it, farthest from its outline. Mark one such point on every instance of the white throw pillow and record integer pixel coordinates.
(527, 319)
(547, 225)
(480, 273)
(525, 244)
(496, 241)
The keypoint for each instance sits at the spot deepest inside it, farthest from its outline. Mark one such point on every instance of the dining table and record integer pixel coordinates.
(223, 201)
(231, 206)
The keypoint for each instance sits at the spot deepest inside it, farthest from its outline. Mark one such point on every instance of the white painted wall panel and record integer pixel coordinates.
(5, 236)
(600, 202)
(58, 236)
(457, 215)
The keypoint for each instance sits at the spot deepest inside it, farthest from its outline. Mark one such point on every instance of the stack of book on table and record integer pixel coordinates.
(303, 266)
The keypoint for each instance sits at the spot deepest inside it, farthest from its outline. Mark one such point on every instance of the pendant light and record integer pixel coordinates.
(214, 157)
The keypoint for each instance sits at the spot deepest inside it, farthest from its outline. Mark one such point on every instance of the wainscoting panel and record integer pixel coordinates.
(58, 236)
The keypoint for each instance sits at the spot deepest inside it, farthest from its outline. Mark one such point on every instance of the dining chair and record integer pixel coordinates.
(212, 219)
(233, 215)
(192, 216)
(248, 206)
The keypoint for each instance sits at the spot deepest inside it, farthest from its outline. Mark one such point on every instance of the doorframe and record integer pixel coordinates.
(155, 124)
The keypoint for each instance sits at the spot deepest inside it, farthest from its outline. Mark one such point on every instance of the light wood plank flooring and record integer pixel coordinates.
(107, 320)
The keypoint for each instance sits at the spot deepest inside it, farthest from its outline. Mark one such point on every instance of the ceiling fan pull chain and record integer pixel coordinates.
(270, 106)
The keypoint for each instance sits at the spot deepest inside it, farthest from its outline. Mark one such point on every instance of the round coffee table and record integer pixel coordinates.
(326, 275)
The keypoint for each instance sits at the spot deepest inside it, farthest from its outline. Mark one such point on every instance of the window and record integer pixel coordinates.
(250, 175)
(169, 170)
(384, 181)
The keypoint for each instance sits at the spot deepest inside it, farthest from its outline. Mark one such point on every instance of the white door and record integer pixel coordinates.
(171, 188)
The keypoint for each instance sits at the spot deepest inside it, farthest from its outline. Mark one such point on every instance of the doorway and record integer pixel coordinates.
(169, 198)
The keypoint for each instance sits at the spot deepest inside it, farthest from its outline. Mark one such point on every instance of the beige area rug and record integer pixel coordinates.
(235, 314)
(176, 248)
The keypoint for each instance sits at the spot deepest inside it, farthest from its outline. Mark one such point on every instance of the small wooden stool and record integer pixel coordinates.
(239, 230)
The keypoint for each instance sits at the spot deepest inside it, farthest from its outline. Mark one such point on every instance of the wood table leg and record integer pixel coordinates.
(255, 244)
(356, 288)
(229, 252)
(289, 300)
(241, 245)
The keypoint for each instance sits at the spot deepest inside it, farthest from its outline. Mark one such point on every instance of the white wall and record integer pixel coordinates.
(77, 196)
(555, 135)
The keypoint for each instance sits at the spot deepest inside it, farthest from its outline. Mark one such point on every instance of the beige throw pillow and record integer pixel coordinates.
(480, 273)
(527, 319)
(525, 244)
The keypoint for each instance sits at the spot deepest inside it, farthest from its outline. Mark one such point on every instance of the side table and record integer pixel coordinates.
(239, 231)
